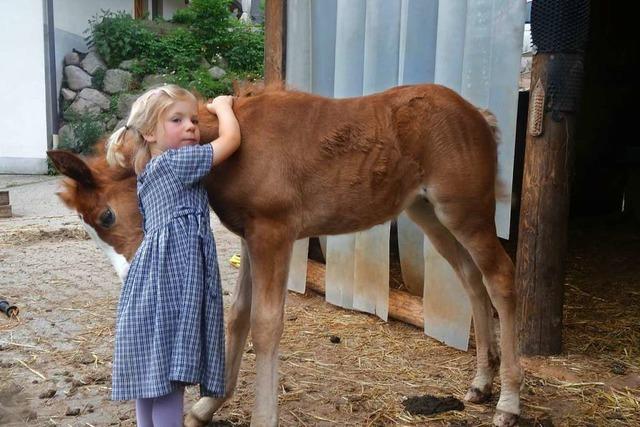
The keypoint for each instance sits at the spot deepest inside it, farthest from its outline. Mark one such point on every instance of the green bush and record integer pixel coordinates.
(202, 84)
(210, 24)
(186, 16)
(97, 80)
(117, 36)
(245, 48)
(87, 130)
(177, 51)
(204, 29)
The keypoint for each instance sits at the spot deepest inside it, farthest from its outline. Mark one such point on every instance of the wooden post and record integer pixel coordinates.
(275, 41)
(542, 243)
(5, 205)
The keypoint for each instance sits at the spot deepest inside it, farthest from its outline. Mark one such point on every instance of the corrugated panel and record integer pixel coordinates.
(346, 48)
(348, 77)
(299, 72)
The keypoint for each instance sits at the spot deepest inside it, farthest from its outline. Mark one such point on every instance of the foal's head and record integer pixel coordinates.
(105, 199)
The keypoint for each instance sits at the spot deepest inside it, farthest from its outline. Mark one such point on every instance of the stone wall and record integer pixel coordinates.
(92, 91)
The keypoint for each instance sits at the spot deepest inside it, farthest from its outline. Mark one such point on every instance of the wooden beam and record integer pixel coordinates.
(275, 41)
(403, 306)
(542, 236)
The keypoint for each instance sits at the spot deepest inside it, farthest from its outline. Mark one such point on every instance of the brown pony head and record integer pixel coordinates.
(105, 199)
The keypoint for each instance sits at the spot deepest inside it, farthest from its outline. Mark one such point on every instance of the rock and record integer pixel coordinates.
(86, 358)
(153, 80)
(72, 58)
(66, 134)
(92, 63)
(67, 94)
(117, 81)
(76, 77)
(48, 394)
(216, 72)
(111, 123)
(618, 368)
(220, 61)
(83, 107)
(128, 64)
(204, 63)
(124, 104)
(72, 412)
(96, 97)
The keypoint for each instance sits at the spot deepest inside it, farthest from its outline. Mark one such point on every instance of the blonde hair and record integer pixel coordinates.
(143, 119)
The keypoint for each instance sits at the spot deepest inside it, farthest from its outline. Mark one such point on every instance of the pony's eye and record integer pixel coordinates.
(107, 218)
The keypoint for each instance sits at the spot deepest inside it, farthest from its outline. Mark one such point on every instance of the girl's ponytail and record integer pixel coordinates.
(142, 155)
(114, 145)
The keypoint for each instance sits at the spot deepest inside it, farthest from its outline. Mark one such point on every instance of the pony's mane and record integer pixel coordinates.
(245, 89)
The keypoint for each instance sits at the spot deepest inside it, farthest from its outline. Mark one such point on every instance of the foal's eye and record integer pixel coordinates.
(107, 218)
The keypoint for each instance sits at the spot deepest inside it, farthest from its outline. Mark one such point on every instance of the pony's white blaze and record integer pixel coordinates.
(118, 261)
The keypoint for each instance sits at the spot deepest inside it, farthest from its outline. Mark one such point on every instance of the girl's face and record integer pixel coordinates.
(176, 128)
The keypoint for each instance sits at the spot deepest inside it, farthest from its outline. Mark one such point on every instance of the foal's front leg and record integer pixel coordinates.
(237, 331)
(270, 249)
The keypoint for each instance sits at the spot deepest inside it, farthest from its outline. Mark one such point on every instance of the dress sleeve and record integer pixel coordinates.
(191, 164)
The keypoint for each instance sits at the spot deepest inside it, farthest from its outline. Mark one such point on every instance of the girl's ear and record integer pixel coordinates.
(150, 137)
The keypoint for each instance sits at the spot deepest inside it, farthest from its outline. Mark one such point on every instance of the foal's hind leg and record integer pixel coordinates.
(473, 225)
(487, 358)
(237, 331)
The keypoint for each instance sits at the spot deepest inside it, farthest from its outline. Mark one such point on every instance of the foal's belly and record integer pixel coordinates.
(341, 212)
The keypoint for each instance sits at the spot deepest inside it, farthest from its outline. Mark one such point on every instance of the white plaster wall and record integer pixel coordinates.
(23, 117)
(73, 15)
(169, 7)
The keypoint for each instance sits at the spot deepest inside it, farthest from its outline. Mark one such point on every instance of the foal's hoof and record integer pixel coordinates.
(505, 419)
(475, 395)
(192, 421)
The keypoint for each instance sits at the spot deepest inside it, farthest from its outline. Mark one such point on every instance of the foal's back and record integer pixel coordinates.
(329, 166)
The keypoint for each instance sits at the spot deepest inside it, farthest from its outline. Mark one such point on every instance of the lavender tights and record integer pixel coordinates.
(163, 411)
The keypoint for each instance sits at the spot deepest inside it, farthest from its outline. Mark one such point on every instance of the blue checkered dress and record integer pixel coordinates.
(169, 327)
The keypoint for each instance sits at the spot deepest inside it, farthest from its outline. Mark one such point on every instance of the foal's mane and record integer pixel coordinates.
(246, 89)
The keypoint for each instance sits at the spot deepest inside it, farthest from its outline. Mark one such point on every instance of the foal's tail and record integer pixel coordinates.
(492, 122)
(501, 190)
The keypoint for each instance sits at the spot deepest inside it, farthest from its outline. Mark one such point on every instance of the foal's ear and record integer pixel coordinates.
(73, 166)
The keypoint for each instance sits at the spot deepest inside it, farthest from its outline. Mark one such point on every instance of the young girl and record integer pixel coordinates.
(169, 327)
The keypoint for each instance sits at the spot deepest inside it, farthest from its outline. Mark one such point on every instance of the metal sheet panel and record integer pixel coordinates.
(323, 46)
(298, 266)
(371, 278)
(298, 58)
(299, 75)
(339, 277)
(447, 310)
(348, 77)
(419, 24)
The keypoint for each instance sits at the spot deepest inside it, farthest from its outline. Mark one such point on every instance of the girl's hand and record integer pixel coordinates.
(220, 103)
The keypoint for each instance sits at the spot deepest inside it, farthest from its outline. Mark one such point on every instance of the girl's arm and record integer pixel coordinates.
(228, 139)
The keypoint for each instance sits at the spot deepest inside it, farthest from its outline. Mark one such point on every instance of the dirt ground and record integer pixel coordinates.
(55, 360)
